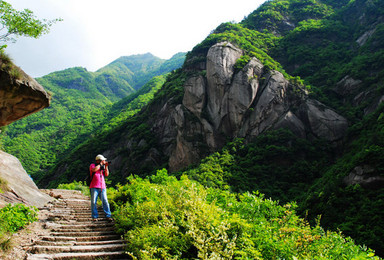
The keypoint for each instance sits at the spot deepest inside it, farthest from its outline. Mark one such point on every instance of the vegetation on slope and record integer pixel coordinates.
(112, 121)
(161, 217)
(317, 42)
(319, 48)
(13, 218)
(83, 102)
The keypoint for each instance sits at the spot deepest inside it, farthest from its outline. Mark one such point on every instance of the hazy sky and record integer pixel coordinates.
(96, 32)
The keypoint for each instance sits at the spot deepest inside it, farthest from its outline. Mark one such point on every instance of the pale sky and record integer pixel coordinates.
(96, 32)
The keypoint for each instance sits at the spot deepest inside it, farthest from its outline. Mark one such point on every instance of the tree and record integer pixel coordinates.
(21, 23)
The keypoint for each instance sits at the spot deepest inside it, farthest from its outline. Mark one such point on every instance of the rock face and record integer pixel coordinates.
(222, 102)
(21, 187)
(366, 176)
(227, 103)
(20, 97)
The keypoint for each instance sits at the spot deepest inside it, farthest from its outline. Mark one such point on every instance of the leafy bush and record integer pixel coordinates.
(164, 218)
(14, 218)
(75, 185)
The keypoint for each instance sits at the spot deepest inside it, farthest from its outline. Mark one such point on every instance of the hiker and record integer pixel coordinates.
(99, 170)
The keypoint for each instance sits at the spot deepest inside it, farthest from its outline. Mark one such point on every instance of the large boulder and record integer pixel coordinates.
(20, 188)
(20, 96)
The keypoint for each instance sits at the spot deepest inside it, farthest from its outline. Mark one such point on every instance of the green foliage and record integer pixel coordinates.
(277, 163)
(214, 170)
(8, 66)
(241, 62)
(75, 185)
(309, 41)
(21, 23)
(82, 108)
(15, 217)
(165, 218)
(338, 203)
(281, 16)
(254, 43)
(3, 185)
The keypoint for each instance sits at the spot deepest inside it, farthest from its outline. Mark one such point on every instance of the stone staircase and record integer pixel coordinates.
(73, 234)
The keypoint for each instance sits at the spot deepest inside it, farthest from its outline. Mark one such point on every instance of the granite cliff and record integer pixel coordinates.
(221, 103)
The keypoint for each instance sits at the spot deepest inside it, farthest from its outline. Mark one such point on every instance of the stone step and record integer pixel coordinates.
(83, 228)
(81, 220)
(78, 230)
(95, 255)
(78, 243)
(82, 234)
(84, 238)
(78, 208)
(80, 213)
(73, 234)
(90, 225)
(77, 249)
(74, 222)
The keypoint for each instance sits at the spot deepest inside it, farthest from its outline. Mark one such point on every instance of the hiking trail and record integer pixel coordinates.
(73, 234)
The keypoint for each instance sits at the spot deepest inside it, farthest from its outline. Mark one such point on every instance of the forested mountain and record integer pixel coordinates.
(84, 102)
(300, 53)
(287, 102)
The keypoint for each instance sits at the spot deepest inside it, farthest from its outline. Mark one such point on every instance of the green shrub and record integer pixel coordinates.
(76, 185)
(164, 218)
(15, 217)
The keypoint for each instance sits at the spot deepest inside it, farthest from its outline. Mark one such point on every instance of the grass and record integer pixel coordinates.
(6, 64)
(3, 185)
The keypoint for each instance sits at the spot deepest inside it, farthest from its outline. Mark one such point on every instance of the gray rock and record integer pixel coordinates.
(347, 86)
(194, 94)
(324, 122)
(19, 182)
(221, 59)
(366, 176)
(292, 122)
(227, 103)
(364, 38)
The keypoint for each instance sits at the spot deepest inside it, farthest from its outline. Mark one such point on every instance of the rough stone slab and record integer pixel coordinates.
(20, 97)
(78, 243)
(82, 234)
(80, 226)
(78, 249)
(98, 255)
(19, 183)
(73, 234)
(86, 238)
(85, 229)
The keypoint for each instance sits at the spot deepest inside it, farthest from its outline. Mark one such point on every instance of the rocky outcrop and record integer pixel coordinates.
(221, 102)
(20, 96)
(227, 103)
(20, 187)
(366, 176)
